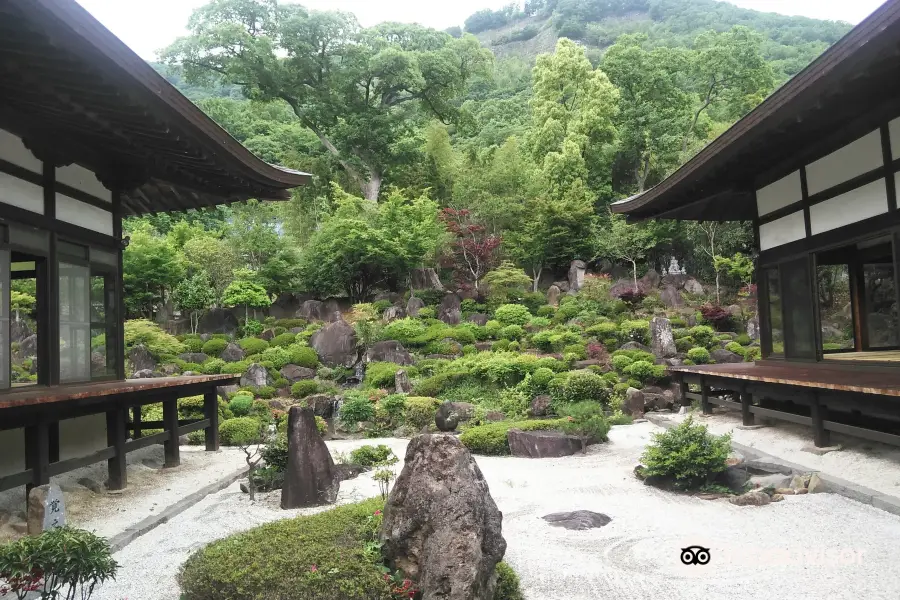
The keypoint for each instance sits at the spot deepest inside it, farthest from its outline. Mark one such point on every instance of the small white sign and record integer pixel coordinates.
(54, 508)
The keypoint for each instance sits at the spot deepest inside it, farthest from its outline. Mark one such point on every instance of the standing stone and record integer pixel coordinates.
(634, 402)
(310, 478)
(46, 509)
(671, 297)
(392, 313)
(553, 294)
(402, 383)
(692, 286)
(425, 279)
(232, 353)
(141, 359)
(479, 319)
(256, 376)
(649, 282)
(414, 305)
(449, 311)
(753, 328)
(218, 320)
(335, 344)
(543, 444)
(295, 373)
(313, 310)
(662, 341)
(441, 527)
(389, 351)
(576, 275)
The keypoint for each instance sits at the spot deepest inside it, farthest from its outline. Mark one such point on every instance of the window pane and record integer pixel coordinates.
(4, 319)
(799, 320)
(776, 322)
(881, 304)
(74, 323)
(103, 325)
(835, 307)
(98, 298)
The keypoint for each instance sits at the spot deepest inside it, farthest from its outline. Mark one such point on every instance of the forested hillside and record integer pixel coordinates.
(523, 31)
(430, 150)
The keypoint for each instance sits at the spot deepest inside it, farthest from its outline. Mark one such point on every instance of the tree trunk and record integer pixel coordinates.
(634, 272)
(717, 288)
(536, 278)
(371, 188)
(246, 314)
(641, 173)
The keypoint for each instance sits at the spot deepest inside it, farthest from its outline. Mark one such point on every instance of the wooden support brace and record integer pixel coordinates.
(683, 388)
(170, 425)
(136, 422)
(37, 454)
(705, 406)
(211, 412)
(116, 434)
(746, 403)
(819, 414)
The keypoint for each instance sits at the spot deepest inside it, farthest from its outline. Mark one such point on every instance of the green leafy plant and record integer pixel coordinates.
(253, 346)
(419, 411)
(371, 456)
(356, 409)
(237, 431)
(148, 333)
(214, 347)
(240, 405)
(61, 563)
(381, 374)
(304, 388)
(699, 356)
(512, 314)
(687, 454)
(491, 438)
(585, 420)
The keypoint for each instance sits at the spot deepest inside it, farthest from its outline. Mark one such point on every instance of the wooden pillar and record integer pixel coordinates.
(211, 412)
(683, 388)
(37, 453)
(819, 413)
(746, 402)
(170, 425)
(116, 433)
(136, 422)
(704, 398)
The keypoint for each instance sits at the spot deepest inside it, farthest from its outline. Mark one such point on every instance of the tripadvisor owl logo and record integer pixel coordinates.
(695, 555)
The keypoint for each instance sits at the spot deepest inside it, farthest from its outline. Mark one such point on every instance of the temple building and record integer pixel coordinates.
(90, 134)
(815, 168)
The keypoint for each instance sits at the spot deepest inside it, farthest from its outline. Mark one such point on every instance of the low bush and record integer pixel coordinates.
(370, 456)
(240, 405)
(326, 555)
(151, 335)
(500, 346)
(304, 388)
(283, 340)
(644, 371)
(213, 366)
(427, 312)
(743, 339)
(586, 420)
(434, 385)
(735, 347)
(704, 335)
(684, 344)
(579, 386)
(490, 439)
(620, 362)
(541, 377)
(687, 454)
(635, 331)
(419, 411)
(508, 586)
(303, 356)
(752, 353)
(253, 345)
(512, 332)
(404, 330)
(214, 347)
(381, 374)
(512, 314)
(290, 323)
(193, 344)
(356, 409)
(277, 356)
(492, 328)
(699, 356)
(240, 431)
(546, 311)
(389, 411)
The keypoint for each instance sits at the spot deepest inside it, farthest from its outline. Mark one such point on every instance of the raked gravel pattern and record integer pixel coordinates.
(806, 547)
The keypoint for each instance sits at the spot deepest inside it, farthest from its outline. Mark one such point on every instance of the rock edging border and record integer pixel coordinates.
(144, 526)
(831, 484)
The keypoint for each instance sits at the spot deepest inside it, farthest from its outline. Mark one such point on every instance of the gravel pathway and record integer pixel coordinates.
(805, 547)
(860, 461)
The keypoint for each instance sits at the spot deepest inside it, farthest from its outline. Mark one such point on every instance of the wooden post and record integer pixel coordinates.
(136, 422)
(170, 425)
(116, 433)
(37, 453)
(683, 388)
(704, 398)
(211, 412)
(746, 402)
(819, 414)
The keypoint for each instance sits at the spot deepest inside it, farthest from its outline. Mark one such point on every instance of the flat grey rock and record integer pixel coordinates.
(578, 520)
(820, 451)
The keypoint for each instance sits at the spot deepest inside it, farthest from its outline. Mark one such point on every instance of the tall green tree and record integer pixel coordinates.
(356, 89)
(245, 291)
(152, 267)
(194, 295)
(622, 241)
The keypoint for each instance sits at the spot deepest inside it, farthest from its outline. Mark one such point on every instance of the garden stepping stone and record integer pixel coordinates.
(578, 520)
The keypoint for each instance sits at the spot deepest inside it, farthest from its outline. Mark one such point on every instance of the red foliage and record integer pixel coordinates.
(474, 249)
(716, 316)
(632, 296)
(597, 352)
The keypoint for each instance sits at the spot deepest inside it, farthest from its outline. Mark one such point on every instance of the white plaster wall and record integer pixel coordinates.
(20, 193)
(83, 215)
(854, 159)
(13, 150)
(83, 179)
(783, 192)
(782, 231)
(81, 436)
(863, 202)
(12, 451)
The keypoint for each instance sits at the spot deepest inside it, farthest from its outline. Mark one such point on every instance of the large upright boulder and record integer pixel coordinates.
(553, 294)
(649, 282)
(256, 376)
(232, 353)
(414, 305)
(392, 313)
(335, 344)
(692, 286)
(450, 311)
(389, 351)
(18, 331)
(141, 359)
(310, 478)
(425, 279)
(218, 320)
(671, 297)
(294, 373)
(441, 527)
(576, 275)
(313, 310)
(662, 341)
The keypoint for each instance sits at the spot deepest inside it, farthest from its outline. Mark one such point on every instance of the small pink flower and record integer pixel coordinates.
(314, 569)
(377, 513)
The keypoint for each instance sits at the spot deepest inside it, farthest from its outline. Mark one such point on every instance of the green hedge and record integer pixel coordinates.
(491, 439)
(234, 432)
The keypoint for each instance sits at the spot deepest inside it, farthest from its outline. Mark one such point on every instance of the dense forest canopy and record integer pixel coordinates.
(440, 149)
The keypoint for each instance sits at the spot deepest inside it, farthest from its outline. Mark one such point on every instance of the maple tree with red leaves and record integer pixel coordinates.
(473, 249)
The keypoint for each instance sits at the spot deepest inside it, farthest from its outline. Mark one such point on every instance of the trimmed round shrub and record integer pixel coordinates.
(369, 455)
(743, 339)
(512, 314)
(419, 411)
(686, 454)
(579, 351)
(514, 347)
(427, 312)
(512, 332)
(752, 353)
(191, 407)
(240, 430)
(404, 330)
(684, 344)
(699, 356)
(303, 356)
(538, 323)
(266, 392)
(235, 368)
(290, 323)
(193, 344)
(704, 335)
(240, 404)
(636, 331)
(546, 311)
(254, 563)
(492, 328)
(213, 366)
(253, 346)
(304, 388)
(276, 357)
(621, 361)
(381, 374)
(356, 409)
(645, 371)
(585, 385)
(585, 420)
(500, 346)
(214, 347)
(735, 347)
(541, 377)
(283, 340)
